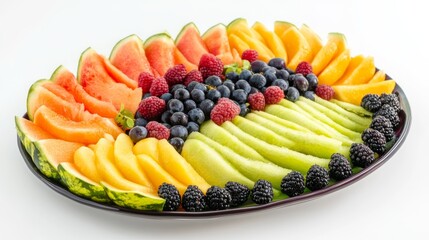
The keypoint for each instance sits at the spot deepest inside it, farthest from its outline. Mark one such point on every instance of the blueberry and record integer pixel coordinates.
(206, 106)
(137, 133)
(257, 66)
(146, 95)
(165, 117)
(278, 63)
(213, 95)
(166, 125)
(282, 84)
(181, 94)
(253, 90)
(175, 105)
(292, 94)
(177, 143)
(244, 110)
(198, 95)
(140, 122)
(239, 95)
(138, 115)
(179, 118)
(189, 105)
(257, 80)
(233, 76)
(196, 115)
(282, 74)
(229, 84)
(300, 83)
(312, 81)
(290, 71)
(176, 86)
(179, 131)
(270, 76)
(224, 91)
(243, 84)
(309, 95)
(245, 74)
(200, 86)
(192, 127)
(213, 81)
(191, 85)
(166, 97)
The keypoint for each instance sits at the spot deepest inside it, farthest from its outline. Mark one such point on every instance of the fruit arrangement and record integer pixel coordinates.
(234, 117)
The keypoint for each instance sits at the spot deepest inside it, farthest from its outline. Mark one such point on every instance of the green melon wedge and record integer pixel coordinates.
(352, 108)
(79, 184)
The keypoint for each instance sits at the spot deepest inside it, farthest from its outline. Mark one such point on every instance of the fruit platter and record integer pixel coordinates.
(240, 118)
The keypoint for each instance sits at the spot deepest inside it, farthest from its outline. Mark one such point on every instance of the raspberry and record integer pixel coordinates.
(145, 81)
(273, 94)
(256, 101)
(304, 68)
(159, 86)
(175, 74)
(152, 107)
(193, 75)
(210, 65)
(249, 55)
(225, 110)
(325, 91)
(157, 130)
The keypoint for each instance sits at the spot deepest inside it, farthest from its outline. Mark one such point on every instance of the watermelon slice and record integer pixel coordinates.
(159, 51)
(64, 78)
(190, 43)
(180, 59)
(128, 55)
(96, 81)
(217, 43)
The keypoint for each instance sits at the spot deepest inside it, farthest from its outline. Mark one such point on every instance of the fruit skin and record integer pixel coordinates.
(175, 74)
(28, 133)
(304, 68)
(157, 130)
(193, 75)
(128, 56)
(371, 102)
(218, 198)
(354, 93)
(293, 184)
(339, 167)
(374, 140)
(325, 91)
(256, 101)
(224, 110)
(151, 108)
(262, 192)
(210, 65)
(239, 193)
(49, 153)
(159, 50)
(194, 200)
(388, 112)
(383, 125)
(158, 87)
(171, 195)
(97, 82)
(390, 99)
(249, 55)
(273, 95)
(361, 155)
(79, 184)
(190, 43)
(317, 178)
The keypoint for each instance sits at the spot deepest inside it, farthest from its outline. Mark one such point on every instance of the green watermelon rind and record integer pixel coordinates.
(26, 141)
(121, 42)
(133, 199)
(183, 31)
(156, 37)
(79, 66)
(41, 160)
(32, 95)
(235, 21)
(80, 185)
(208, 32)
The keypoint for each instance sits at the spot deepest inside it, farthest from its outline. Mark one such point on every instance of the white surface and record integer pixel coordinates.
(37, 36)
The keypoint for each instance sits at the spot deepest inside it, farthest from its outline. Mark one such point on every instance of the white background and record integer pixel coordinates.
(38, 36)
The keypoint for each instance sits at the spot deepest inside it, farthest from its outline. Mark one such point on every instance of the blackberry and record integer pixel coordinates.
(293, 184)
(193, 199)
(239, 193)
(371, 102)
(339, 167)
(374, 140)
(262, 192)
(361, 155)
(218, 198)
(388, 112)
(390, 99)
(171, 195)
(383, 125)
(317, 178)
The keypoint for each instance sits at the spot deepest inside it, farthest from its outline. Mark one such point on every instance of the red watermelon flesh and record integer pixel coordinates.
(159, 51)
(190, 44)
(96, 81)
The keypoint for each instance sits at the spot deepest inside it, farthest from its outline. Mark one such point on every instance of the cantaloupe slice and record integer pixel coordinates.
(354, 93)
(312, 38)
(335, 69)
(361, 74)
(297, 47)
(273, 41)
